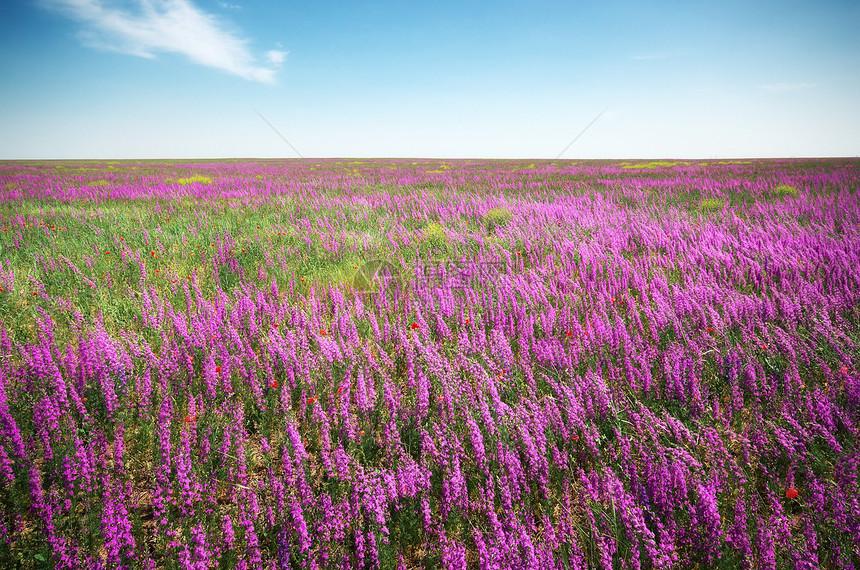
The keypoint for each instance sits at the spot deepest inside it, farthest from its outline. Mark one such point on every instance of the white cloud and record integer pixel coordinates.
(228, 6)
(146, 27)
(787, 86)
(276, 57)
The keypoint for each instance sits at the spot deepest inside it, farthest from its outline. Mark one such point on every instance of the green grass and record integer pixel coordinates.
(711, 205)
(653, 165)
(197, 178)
(497, 217)
(784, 191)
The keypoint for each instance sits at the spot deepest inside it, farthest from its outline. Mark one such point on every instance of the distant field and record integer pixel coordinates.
(430, 364)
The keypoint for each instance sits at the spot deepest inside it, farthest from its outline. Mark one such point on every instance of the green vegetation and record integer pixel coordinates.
(784, 191)
(652, 165)
(497, 217)
(197, 178)
(711, 205)
(320, 361)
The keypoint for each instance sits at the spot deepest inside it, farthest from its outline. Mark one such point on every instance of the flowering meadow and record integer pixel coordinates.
(430, 364)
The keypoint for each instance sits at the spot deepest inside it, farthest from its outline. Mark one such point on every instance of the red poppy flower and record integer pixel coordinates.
(311, 400)
(323, 332)
(569, 334)
(275, 325)
(274, 384)
(34, 293)
(843, 370)
(791, 493)
(340, 390)
(190, 419)
(467, 321)
(710, 329)
(217, 369)
(151, 253)
(107, 253)
(575, 437)
(414, 326)
(361, 432)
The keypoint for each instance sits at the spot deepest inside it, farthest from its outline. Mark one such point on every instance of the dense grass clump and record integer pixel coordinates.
(497, 217)
(784, 191)
(712, 205)
(197, 178)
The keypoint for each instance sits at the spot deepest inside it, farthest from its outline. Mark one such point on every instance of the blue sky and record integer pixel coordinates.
(471, 79)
